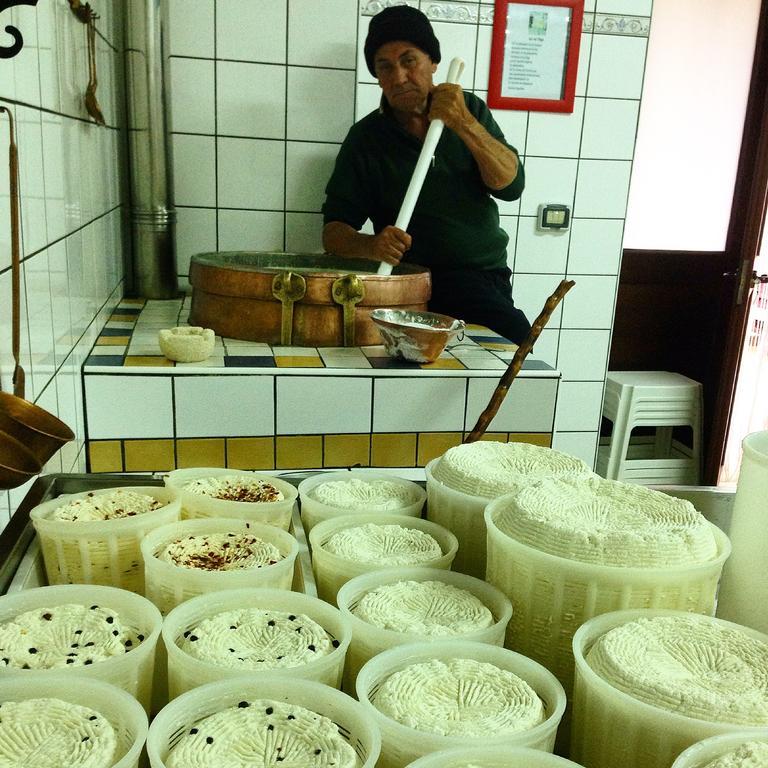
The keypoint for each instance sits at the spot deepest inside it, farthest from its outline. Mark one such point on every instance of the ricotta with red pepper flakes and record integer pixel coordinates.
(235, 488)
(113, 505)
(459, 697)
(65, 636)
(50, 733)
(257, 639)
(263, 733)
(384, 545)
(691, 665)
(220, 552)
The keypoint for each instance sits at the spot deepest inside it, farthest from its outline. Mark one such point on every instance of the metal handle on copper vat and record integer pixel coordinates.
(288, 288)
(348, 291)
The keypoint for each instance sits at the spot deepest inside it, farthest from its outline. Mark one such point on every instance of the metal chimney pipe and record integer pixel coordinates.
(152, 217)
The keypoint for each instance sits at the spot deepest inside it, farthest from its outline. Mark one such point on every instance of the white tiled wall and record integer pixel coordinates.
(290, 79)
(70, 185)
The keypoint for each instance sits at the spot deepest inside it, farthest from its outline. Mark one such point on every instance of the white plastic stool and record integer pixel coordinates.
(658, 399)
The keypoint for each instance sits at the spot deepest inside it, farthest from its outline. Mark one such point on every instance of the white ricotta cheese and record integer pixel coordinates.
(489, 469)
(384, 544)
(607, 522)
(691, 665)
(751, 754)
(51, 733)
(262, 733)
(364, 495)
(252, 638)
(423, 607)
(461, 697)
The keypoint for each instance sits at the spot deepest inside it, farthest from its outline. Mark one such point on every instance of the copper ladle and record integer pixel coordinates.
(29, 435)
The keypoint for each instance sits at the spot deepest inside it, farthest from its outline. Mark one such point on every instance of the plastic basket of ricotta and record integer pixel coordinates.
(269, 718)
(492, 757)
(232, 493)
(650, 683)
(729, 750)
(425, 697)
(193, 557)
(80, 631)
(462, 481)
(94, 537)
(394, 607)
(347, 546)
(224, 635)
(333, 494)
(566, 550)
(53, 722)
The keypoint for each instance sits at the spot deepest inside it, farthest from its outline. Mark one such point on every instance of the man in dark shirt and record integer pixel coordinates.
(455, 227)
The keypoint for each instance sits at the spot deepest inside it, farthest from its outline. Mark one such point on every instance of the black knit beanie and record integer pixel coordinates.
(400, 22)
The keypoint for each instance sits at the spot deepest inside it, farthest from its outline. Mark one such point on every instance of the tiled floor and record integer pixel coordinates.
(129, 340)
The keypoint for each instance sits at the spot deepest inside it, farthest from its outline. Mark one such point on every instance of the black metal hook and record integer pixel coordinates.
(8, 52)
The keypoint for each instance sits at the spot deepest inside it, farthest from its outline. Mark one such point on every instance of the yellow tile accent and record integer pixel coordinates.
(251, 452)
(124, 318)
(434, 444)
(393, 449)
(299, 451)
(535, 438)
(200, 452)
(297, 361)
(112, 341)
(498, 347)
(148, 455)
(499, 437)
(476, 327)
(149, 361)
(346, 450)
(105, 456)
(444, 363)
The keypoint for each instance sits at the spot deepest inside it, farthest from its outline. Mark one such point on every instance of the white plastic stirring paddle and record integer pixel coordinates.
(422, 164)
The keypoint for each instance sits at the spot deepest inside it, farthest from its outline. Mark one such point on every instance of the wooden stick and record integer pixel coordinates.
(517, 362)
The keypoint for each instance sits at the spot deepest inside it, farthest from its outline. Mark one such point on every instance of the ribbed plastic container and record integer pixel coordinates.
(100, 552)
(277, 513)
(611, 728)
(369, 640)
(401, 745)
(313, 511)
(704, 752)
(355, 725)
(132, 671)
(123, 712)
(461, 514)
(554, 596)
(492, 757)
(332, 571)
(186, 672)
(167, 584)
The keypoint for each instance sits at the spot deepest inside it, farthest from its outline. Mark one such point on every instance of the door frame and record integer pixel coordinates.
(742, 243)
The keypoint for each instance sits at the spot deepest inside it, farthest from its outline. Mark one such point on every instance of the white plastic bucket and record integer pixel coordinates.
(492, 757)
(704, 752)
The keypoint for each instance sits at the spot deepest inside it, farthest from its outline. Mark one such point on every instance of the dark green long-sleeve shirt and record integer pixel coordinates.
(455, 223)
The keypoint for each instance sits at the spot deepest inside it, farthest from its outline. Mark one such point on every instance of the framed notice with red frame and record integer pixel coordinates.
(535, 54)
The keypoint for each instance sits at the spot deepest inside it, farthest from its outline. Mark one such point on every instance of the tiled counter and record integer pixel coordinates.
(255, 406)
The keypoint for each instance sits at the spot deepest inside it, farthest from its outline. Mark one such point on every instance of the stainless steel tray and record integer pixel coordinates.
(21, 561)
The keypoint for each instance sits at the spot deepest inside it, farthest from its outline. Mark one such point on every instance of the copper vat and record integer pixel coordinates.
(299, 299)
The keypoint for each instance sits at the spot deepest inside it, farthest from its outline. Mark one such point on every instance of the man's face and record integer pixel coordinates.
(405, 74)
